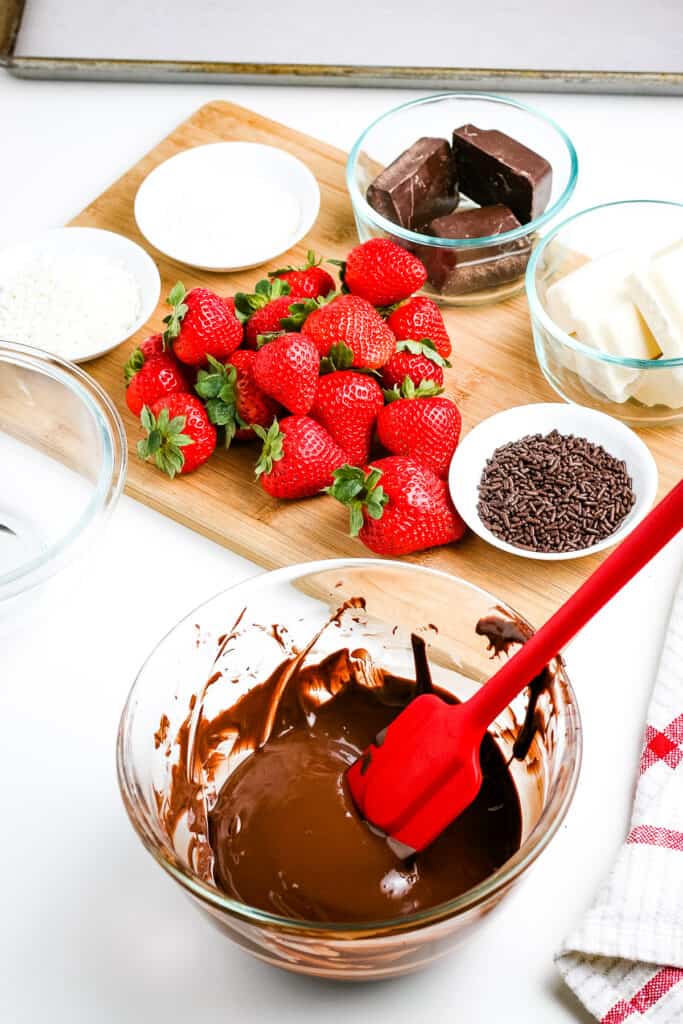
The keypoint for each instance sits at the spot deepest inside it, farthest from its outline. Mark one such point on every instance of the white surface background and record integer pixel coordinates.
(90, 928)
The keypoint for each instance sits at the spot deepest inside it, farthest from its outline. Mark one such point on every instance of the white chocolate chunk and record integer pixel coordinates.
(657, 290)
(659, 387)
(593, 305)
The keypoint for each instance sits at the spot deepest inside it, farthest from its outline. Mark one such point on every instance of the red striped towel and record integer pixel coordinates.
(625, 959)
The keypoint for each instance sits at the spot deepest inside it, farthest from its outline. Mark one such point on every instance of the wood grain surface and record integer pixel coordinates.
(494, 367)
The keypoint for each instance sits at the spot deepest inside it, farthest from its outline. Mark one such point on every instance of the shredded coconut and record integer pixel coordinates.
(71, 304)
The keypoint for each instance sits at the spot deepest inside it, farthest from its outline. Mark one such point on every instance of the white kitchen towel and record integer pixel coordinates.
(625, 959)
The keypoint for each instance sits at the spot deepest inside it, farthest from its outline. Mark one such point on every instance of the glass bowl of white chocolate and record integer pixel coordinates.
(605, 292)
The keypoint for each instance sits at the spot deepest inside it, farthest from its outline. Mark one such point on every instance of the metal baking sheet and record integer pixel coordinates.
(592, 45)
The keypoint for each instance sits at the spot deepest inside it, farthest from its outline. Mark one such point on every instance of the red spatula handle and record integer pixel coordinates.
(658, 527)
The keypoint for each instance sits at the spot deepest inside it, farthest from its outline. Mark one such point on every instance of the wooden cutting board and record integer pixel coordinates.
(494, 367)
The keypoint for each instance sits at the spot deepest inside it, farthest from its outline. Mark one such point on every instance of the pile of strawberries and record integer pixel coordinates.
(319, 375)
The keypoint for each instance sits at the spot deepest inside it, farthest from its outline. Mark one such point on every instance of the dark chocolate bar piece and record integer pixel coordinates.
(493, 168)
(457, 272)
(418, 186)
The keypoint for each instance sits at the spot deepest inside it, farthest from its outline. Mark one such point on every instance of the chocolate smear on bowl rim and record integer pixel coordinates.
(554, 493)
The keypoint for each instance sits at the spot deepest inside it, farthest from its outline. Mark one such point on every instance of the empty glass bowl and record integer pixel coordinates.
(638, 391)
(205, 664)
(495, 265)
(63, 462)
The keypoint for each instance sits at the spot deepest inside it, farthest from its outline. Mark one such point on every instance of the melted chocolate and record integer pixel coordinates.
(284, 831)
(501, 634)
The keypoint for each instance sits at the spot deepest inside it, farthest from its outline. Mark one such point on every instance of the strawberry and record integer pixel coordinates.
(152, 346)
(298, 457)
(150, 377)
(233, 400)
(382, 272)
(351, 321)
(420, 423)
(421, 318)
(179, 435)
(347, 404)
(201, 323)
(410, 509)
(286, 368)
(417, 360)
(262, 311)
(307, 282)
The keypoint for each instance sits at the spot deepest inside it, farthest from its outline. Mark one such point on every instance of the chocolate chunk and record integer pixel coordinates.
(493, 168)
(456, 272)
(418, 186)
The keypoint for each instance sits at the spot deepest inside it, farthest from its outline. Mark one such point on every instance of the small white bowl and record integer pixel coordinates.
(227, 205)
(87, 245)
(619, 440)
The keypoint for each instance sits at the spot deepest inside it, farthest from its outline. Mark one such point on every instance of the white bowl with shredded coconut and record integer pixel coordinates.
(76, 292)
(227, 205)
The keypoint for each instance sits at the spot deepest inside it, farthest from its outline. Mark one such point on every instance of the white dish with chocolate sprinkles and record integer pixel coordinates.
(552, 481)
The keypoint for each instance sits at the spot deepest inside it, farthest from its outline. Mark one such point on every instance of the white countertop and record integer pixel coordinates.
(92, 931)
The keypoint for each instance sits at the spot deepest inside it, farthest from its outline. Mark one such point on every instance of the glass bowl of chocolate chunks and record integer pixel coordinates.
(464, 180)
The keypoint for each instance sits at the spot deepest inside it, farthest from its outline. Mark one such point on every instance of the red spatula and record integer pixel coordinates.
(424, 770)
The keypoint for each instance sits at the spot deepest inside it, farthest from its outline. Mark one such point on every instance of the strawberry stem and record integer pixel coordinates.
(246, 304)
(164, 441)
(423, 347)
(273, 447)
(425, 389)
(361, 492)
(216, 388)
(176, 300)
(134, 365)
(311, 261)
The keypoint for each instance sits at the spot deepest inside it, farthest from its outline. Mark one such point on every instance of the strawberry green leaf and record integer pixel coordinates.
(146, 418)
(425, 389)
(264, 292)
(265, 339)
(164, 440)
(340, 357)
(311, 261)
(341, 264)
(273, 447)
(360, 492)
(173, 321)
(424, 347)
(134, 365)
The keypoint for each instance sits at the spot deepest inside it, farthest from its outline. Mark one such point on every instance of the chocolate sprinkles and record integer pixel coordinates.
(554, 493)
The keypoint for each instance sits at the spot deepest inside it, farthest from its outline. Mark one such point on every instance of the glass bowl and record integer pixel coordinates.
(205, 664)
(638, 391)
(63, 458)
(497, 268)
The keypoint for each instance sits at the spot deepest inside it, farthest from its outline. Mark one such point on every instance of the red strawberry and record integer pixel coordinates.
(233, 400)
(151, 377)
(263, 310)
(152, 346)
(421, 318)
(417, 360)
(418, 423)
(201, 323)
(410, 509)
(351, 321)
(179, 435)
(347, 404)
(298, 457)
(307, 282)
(382, 272)
(287, 368)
